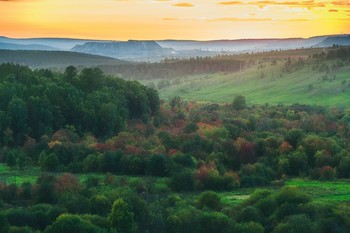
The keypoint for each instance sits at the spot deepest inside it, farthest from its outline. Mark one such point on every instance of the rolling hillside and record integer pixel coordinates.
(266, 78)
(54, 59)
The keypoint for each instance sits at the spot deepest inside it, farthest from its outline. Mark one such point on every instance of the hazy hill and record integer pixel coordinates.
(154, 51)
(26, 47)
(54, 59)
(58, 43)
(243, 45)
(336, 40)
(124, 50)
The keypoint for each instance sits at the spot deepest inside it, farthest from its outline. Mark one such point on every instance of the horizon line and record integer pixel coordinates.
(223, 39)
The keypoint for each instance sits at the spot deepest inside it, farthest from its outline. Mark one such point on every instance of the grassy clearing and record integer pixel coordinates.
(267, 85)
(234, 198)
(15, 176)
(324, 191)
(320, 191)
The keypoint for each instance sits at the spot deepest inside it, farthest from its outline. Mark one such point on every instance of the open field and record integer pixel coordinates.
(324, 191)
(266, 85)
(266, 78)
(320, 191)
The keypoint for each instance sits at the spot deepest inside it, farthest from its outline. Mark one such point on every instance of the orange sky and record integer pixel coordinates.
(172, 19)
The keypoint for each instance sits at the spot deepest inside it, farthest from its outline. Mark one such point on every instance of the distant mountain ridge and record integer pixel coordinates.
(54, 59)
(160, 49)
(58, 43)
(11, 46)
(128, 50)
(343, 40)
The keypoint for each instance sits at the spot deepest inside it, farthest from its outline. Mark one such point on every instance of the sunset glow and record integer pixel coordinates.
(170, 19)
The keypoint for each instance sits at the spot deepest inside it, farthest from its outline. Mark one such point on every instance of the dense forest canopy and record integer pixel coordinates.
(92, 153)
(40, 102)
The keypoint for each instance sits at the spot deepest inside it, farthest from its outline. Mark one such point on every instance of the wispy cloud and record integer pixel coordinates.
(261, 4)
(170, 19)
(183, 4)
(341, 3)
(332, 10)
(231, 3)
(234, 19)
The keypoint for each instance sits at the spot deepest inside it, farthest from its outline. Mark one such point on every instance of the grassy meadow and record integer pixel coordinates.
(264, 81)
(320, 191)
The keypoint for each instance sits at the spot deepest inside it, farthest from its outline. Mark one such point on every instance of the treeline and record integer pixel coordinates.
(63, 204)
(38, 103)
(169, 69)
(337, 52)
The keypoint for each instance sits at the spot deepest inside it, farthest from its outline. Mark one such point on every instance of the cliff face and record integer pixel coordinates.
(125, 50)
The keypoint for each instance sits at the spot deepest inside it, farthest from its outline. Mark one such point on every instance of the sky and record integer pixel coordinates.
(173, 19)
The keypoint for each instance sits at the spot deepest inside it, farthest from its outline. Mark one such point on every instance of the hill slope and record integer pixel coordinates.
(54, 59)
(124, 50)
(11, 46)
(266, 78)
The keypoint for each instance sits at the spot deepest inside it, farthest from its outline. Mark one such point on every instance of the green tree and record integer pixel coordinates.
(48, 162)
(100, 204)
(121, 218)
(210, 200)
(46, 189)
(91, 79)
(40, 117)
(70, 73)
(296, 224)
(110, 120)
(343, 170)
(157, 165)
(239, 102)
(183, 180)
(4, 224)
(250, 227)
(17, 113)
(68, 223)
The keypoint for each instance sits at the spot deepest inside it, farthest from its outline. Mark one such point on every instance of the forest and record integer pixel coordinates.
(82, 151)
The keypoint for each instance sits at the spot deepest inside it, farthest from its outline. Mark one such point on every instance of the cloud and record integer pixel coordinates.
(234, 19)
(295, 20)
(183, 4)
(170, 19)
(332, 10)
(231, 3)
(262, 4)
(341, 3)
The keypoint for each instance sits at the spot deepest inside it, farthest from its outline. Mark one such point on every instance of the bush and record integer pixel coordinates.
(239, 102)
(157, 165)
(67, 223)
(210, 200)
(296, 223)
(183, 181)
(249, 227)
(343, 170)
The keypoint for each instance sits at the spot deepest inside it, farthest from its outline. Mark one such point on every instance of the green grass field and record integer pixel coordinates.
(324, 191)
(303, 86)
(320, 191)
